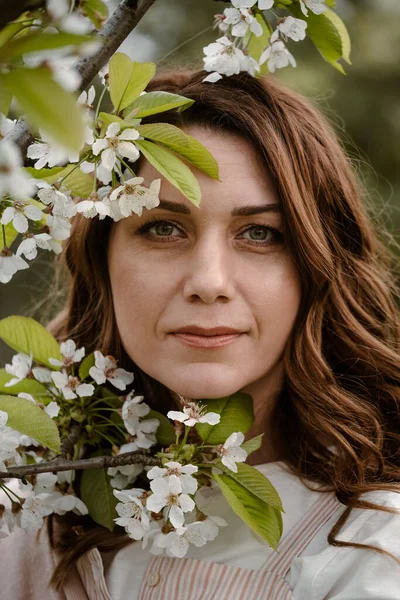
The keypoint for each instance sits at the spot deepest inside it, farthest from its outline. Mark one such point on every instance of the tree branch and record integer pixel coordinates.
(97, 462)
(124, 19)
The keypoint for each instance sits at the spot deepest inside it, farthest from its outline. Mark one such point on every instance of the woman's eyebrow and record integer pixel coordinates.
(242, 211)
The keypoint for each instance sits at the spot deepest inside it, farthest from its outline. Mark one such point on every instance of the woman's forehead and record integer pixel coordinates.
(242, 181)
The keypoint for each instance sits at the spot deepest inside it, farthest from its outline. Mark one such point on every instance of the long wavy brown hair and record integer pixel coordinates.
(342, 380)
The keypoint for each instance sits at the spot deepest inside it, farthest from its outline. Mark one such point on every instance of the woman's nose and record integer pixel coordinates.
(210, 271)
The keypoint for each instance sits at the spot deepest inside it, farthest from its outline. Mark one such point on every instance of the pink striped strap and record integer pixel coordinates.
(301, 535)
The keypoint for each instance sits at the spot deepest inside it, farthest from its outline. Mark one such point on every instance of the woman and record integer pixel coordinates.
(277, 286)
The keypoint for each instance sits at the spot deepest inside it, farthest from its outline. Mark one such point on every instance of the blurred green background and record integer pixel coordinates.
(364, 105)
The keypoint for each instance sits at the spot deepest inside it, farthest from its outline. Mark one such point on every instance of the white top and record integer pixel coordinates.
(320, 572)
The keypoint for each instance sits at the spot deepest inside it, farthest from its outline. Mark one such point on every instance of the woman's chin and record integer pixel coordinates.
(202, 386)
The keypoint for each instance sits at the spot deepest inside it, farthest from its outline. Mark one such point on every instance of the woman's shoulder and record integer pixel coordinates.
(27, 564)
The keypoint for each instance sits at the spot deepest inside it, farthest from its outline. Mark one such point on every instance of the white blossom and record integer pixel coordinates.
(223, 58)
(102, 174)
(70, 354)
(20, 367)
(86, 99)
(48, 152)
(42, 374)
(241, 20)
(35, 507)
(58, 229)
(59, 62)
(182, 472)
(28, 247)
(103, 73)
(292, 28)
(133, 515)
(278, 56)
(124, 475)
(9, 441)
(60, 202)
(93, 206)
(63, 503)
(231, 452)
(132, 197)
(262, 4)
(176, 543)
(6, 125)
(13, 179)
(133, 410)
(19, 213)
(106, 369)
(10, 264)
(114, 145)
(167, 493)
(316, 6)
(194, 413)
(71, 386)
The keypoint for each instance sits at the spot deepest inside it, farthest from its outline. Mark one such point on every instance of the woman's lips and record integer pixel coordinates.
(203, 341)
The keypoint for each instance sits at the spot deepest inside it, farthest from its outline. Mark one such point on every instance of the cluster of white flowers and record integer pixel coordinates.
(165, 517)
(172, 488)
(227, 55)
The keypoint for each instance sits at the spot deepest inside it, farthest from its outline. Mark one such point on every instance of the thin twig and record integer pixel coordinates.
(68, 443)
(97, 462)
(123, 20)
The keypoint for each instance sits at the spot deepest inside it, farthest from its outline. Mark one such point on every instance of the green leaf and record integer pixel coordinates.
(6, 97)
(255, 482)
(85, 366)
(181, 143)
(28, 386)
(108, 118)
(78, 182)
(329, 34)
(257, 45)
(236, 415)
(96, 10)
(97, 494)
(128, 79)
(252, 445)
(172, 168)
(262, 518)
(153, 103)
(24, 334)
(46, 105)
(165, 433)
(27, 418)
(36, 42)
(11, 234)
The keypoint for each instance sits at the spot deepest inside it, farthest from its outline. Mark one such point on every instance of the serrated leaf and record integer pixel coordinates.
(165, 433)
(85, 366)
(36, 42)
(236, 415)
(46, 104)
(252, 445)
(49, 175)
(24, 334)
(181, 143)
(27, 418)
(255, 482)
(128, 79)
(262, 518)
(257, 45)
(172, 168)
(97, 495)
(153, 103)
(328, 33)
(108, 118)
(28, 386)
(96, 10)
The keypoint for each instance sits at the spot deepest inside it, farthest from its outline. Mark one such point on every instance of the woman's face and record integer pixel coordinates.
(221, 272)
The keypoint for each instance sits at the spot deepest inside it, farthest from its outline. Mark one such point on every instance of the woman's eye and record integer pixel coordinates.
(261, 233)
(160, 229)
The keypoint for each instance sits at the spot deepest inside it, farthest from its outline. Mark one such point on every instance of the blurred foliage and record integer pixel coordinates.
(363, 105)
